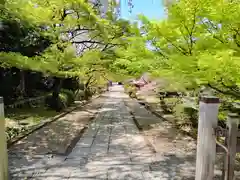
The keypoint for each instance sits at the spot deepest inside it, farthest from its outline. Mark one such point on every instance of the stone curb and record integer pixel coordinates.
(48, 121)
(149, 108)
(149, 144)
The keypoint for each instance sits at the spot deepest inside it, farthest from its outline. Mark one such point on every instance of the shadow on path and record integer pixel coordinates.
(111, 148)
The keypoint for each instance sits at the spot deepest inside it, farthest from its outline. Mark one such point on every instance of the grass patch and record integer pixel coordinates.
(29, 115)
(21, 119)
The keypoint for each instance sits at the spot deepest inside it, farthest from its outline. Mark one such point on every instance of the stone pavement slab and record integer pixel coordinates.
(36, 152)
(112, 148)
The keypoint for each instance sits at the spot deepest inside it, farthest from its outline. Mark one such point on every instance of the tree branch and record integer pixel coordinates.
(212, 26)
(94, 42)
(235, 89)
(223, 92)
(190, 32)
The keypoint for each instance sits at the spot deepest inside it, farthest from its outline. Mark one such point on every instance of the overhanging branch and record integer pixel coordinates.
(94, 42)
(223, 91)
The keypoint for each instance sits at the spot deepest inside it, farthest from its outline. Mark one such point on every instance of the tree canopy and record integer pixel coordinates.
(57, 25)
(61, 40)
(197, 44)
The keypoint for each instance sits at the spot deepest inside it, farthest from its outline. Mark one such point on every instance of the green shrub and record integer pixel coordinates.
(70, 96)
(87, 94)
(131, 90)
(66, 98)
(93, 90)
(13, 132)
(58, 104)
(224, 109)
(186, 116)
(101, 89)
(63, 98)
(168, 104)
(80, 95)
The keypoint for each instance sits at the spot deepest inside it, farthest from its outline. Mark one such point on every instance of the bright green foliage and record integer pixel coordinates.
(197, 44)
(56, 20)
(135, 58)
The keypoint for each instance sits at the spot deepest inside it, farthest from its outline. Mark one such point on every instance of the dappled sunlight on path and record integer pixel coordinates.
(111, 148)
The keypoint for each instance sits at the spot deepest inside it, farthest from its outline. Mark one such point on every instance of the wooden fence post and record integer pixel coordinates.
(206, 143)
(3, 145)
(229, 163)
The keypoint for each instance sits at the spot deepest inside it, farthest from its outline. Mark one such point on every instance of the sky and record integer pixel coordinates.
(153, 9)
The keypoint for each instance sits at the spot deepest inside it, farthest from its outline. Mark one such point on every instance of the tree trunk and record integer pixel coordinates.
(86, 92)
(86, 89)
(55, 94)
(22, 83)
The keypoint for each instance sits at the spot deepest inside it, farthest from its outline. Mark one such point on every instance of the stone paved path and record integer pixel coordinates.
(111, 149)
